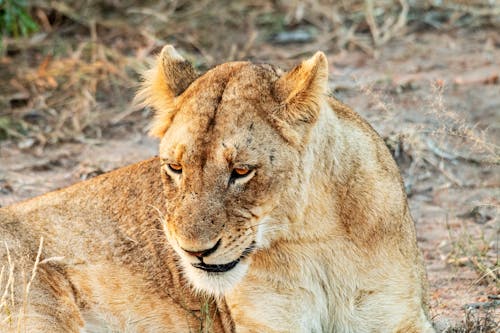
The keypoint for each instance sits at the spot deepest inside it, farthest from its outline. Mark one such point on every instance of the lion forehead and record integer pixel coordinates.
(231, 85)
(223, 108)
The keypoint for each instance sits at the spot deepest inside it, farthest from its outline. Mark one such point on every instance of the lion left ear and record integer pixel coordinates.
(300, 93)
(168, 78)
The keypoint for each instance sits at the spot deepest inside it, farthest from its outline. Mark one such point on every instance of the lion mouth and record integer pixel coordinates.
(221, 268)
(217, 268)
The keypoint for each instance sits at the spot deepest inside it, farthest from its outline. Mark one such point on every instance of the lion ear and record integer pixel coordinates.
(166, 80)
(300, 92)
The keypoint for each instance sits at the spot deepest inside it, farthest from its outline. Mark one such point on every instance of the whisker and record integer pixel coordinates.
(254, 225)
(153, 230)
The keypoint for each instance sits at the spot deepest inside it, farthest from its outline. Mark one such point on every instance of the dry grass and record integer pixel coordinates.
(457, 138)
(443, 136)
(75, 78)
(7, 288)
(12, 311)
(478, 252)
(476, 321)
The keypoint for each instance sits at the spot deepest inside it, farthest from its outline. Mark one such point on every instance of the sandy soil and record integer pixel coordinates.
(435, 97)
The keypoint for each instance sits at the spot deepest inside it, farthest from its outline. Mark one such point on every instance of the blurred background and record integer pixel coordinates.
(424, 73)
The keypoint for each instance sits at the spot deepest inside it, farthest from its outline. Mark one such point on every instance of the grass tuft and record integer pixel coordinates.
(12, 312)
(476, 321)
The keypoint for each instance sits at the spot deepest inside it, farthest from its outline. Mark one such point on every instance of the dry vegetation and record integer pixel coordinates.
(73, 79)
(76, 75)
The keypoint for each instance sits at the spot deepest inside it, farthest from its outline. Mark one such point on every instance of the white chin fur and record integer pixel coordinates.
(216, 284)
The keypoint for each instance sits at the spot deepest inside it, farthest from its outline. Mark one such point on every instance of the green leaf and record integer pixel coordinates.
(15, 19)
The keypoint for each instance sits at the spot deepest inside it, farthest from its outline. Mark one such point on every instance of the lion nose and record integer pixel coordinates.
(203, 253)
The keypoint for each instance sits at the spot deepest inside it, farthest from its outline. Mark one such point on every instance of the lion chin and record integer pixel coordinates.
(215, 283)
(219, 279)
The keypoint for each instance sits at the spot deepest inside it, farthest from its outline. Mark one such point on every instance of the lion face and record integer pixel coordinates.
(230, 149)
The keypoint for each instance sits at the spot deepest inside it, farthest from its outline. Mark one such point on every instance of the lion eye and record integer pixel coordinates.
(241, 171)
(175, 168)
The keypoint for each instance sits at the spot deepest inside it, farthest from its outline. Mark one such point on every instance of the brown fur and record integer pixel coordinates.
(317, 237)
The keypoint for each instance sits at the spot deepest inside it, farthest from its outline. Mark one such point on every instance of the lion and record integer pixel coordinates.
(271, 207)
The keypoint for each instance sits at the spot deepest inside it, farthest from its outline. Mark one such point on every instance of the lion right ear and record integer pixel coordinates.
(168, 78)
(300, 93)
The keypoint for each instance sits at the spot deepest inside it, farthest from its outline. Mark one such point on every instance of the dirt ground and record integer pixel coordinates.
(433, 96)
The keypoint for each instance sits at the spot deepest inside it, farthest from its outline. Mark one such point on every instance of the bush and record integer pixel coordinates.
(15, 20)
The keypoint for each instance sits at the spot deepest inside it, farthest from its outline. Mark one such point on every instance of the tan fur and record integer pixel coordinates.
(105, 263)
(316, 238)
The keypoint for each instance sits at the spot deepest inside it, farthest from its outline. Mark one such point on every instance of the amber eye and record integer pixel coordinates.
(175, 168)
(239, 173)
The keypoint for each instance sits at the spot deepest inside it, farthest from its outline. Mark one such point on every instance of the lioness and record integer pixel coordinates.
(278, 210)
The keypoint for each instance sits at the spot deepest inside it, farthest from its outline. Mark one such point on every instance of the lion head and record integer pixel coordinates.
(232, 154)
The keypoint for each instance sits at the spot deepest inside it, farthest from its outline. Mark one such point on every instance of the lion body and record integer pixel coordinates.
(315, 235)
(337, 278)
